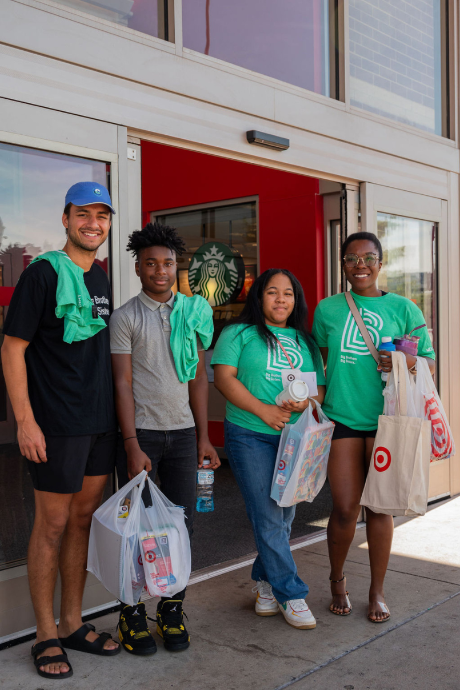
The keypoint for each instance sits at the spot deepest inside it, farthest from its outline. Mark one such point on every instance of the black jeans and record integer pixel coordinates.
(174, 457)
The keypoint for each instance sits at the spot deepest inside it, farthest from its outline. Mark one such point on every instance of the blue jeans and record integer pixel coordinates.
(252, 457)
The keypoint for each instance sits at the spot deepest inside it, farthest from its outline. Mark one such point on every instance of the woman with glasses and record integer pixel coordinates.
(249, 359)
(354, 402)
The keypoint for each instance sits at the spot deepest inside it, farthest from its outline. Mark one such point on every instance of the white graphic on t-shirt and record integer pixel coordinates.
(101, 310)
(352, 340)
(276, 357)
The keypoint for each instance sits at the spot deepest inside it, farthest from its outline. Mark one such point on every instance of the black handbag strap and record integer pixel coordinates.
(362, 326)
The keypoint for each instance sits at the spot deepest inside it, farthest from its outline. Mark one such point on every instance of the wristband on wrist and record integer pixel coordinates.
(128, 437)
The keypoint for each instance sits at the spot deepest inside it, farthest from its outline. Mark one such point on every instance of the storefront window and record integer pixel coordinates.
(221, 258)
(285, 40)
(409, 263)
(33, 184)
(398, 60)
(152, 17)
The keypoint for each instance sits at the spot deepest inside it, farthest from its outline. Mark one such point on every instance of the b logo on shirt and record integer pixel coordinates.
(276, 357)
(352, 340)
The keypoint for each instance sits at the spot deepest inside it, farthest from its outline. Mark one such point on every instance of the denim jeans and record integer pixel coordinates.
(174, 457)
(252, 457)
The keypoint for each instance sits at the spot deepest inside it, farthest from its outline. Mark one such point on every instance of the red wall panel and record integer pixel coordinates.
(290, 208)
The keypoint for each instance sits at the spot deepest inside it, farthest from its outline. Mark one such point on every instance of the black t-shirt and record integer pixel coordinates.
(70, 385)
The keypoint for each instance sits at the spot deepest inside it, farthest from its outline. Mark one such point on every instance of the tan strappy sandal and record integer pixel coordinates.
(347, 598)
(383, 609)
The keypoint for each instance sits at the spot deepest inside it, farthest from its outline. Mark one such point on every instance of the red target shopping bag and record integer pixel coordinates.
(397, 481)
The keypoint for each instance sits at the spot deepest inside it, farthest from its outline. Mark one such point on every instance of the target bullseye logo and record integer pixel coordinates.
(382, 459)
(150, 557)
(282, 465)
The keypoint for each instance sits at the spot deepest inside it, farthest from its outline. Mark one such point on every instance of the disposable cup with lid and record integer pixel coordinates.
(297, 391)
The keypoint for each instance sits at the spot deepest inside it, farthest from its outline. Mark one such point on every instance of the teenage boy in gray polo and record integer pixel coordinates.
(163, 422)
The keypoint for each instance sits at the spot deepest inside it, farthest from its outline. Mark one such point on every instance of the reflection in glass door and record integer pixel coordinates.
(33, 184)
(409, 263)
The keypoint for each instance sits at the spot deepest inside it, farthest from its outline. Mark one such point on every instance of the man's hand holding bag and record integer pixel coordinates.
(397, 482)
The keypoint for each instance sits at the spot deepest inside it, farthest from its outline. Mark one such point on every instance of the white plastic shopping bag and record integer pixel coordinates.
(429, 406)
(164, 544)
(113, 551)
(397, 481)
(134, 546)
(390, 396)
(301, 463)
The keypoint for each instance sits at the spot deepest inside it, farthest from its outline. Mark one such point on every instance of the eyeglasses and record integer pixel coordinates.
(352, 260)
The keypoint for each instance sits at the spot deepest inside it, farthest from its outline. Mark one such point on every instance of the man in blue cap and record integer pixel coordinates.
(56, 362)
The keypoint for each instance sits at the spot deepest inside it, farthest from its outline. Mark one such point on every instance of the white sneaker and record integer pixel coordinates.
(297, 614)
(266, 604)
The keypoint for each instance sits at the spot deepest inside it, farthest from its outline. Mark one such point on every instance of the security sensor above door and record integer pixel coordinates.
(270, 140)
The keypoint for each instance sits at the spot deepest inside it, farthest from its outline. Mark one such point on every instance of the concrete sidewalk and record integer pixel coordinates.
(233, 649)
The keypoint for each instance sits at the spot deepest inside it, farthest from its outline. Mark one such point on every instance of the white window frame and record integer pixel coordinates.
(175, 46)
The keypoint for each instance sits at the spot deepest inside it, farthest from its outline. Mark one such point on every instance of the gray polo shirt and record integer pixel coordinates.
(142, 329)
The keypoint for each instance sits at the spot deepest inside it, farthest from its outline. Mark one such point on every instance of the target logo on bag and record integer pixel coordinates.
(282, 465)
(150, 557)
(382, 459)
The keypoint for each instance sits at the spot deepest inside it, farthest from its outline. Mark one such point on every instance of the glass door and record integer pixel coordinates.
(413, 231)
(33, 184)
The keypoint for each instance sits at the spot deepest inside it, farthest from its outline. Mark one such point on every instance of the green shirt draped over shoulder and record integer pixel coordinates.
(74, 304)
(190, 316)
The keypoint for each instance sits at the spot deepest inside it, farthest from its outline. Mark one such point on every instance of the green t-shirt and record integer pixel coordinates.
(259, 367)
(354, 386)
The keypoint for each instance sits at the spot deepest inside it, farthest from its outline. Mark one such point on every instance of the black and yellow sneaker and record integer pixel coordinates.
(133, 631)
(170, 625)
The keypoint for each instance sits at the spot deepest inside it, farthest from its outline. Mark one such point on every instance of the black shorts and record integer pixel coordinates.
(343, 431)
(70, 458)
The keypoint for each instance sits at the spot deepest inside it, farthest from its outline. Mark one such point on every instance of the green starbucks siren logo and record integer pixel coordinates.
(216, 273)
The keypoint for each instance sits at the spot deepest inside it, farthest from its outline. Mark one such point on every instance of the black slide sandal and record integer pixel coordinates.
(44, 660)
(78, 642)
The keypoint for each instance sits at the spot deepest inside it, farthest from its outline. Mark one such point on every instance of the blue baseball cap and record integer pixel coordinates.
(87, 193)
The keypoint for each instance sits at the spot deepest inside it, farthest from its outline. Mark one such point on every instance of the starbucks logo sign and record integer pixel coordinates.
(216, 273)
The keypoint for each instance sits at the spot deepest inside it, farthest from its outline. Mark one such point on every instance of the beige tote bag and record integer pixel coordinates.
(397, 482)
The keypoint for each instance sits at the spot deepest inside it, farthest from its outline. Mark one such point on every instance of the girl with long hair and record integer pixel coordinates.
(249, 358)
(354, 402)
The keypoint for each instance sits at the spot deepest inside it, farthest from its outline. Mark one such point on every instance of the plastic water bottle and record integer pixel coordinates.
(205, 489)
(389, 346)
